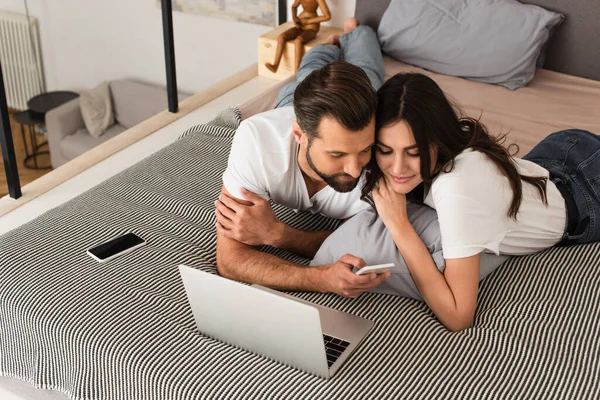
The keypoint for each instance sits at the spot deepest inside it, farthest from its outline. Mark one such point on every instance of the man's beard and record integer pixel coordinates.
(332, 180)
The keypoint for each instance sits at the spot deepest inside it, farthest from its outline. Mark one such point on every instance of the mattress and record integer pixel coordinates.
(550, 102)
(124, 329)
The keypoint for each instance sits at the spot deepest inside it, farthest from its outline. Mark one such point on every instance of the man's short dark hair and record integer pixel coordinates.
(339, 90)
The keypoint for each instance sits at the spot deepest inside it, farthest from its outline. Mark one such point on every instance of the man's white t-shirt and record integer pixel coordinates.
(472, 203)
(264, 160)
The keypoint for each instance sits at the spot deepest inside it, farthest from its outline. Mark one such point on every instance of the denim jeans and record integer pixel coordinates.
(359, 47)
(572, 157)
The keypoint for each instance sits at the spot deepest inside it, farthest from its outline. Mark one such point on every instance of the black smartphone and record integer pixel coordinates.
(115, 247)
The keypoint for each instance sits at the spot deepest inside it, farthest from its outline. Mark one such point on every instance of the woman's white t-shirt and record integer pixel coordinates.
(472, 203)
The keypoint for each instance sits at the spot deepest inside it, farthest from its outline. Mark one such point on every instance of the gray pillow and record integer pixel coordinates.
(492, 41)
(372, 242)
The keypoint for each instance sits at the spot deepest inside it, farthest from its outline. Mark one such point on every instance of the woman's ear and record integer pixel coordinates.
(299, 135)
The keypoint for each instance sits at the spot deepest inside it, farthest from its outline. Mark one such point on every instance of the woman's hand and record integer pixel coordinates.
(390, 205)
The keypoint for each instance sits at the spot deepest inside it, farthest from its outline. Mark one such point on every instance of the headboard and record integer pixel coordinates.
(574, 48)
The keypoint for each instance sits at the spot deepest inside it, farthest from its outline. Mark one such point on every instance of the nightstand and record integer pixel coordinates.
(267, 44)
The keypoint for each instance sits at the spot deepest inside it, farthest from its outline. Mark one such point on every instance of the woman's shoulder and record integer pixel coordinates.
(470, 164)
(470, 156)
(475, 163)
(472, 172)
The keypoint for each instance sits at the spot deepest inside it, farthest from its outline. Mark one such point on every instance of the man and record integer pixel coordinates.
(309, 156)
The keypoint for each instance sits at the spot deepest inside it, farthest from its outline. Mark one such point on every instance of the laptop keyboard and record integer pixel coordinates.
(334, 348)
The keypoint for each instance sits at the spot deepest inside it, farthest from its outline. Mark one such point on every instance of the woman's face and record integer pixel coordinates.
(398, 157)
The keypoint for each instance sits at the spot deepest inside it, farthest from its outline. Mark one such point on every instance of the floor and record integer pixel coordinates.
(26, 175)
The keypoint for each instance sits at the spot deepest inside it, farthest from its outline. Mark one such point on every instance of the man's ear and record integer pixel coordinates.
(298, 133)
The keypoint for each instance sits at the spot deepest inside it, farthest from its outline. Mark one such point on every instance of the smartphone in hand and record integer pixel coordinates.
(378, 269)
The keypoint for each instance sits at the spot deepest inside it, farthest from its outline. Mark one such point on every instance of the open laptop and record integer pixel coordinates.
(269, 323)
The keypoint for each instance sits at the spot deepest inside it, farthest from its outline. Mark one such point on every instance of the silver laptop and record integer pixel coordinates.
(272, 324)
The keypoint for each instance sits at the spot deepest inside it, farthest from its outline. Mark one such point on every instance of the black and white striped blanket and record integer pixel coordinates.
(124, 329)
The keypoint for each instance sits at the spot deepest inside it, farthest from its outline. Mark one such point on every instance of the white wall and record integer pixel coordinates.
(87, 41)
(340, 10)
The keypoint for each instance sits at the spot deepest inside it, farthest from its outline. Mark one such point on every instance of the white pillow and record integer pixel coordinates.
(96, 109)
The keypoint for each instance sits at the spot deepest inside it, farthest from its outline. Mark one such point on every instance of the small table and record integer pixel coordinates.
(31, 119)
(36, 115)
(42, 103)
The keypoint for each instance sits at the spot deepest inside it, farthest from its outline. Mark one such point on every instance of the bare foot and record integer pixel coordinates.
(333, 39)
(271, 67)
(350, 24)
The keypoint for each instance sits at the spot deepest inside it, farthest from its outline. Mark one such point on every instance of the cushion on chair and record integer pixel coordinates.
(96, 109)
(81, 141)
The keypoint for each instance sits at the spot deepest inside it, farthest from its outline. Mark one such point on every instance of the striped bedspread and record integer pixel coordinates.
(124, 329)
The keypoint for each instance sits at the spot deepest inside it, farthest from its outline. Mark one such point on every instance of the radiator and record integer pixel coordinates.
(21, 59)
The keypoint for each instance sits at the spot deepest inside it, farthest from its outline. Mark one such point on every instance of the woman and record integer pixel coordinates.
(486, 200)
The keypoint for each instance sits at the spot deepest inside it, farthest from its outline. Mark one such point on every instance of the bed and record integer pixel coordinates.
(124, 330)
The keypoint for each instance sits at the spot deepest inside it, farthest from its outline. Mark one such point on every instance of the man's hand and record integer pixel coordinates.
(339, 278)
(254, 224)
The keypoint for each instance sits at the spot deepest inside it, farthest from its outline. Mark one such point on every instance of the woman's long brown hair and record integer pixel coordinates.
(419, 101)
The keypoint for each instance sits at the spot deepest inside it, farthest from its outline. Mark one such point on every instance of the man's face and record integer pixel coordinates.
(338, 156)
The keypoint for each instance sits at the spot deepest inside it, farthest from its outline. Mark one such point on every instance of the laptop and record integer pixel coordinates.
(306, 336)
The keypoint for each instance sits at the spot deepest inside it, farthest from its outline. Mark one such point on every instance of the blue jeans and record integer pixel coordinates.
(359, 47)
(572, 157)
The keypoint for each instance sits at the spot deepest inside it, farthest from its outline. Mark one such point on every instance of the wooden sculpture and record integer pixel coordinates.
(306, 27)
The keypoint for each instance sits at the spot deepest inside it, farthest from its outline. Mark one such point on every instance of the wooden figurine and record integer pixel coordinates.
(307, 25)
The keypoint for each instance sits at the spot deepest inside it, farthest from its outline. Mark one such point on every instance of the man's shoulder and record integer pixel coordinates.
(270, 131)
(277, 118)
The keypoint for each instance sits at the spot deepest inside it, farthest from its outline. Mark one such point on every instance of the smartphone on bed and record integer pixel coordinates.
(115, 247)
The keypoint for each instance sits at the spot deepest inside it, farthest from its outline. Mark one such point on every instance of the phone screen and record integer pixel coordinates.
(116, 245)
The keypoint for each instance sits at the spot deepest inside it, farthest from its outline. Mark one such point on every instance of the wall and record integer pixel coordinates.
(86, 42)
(340, 10)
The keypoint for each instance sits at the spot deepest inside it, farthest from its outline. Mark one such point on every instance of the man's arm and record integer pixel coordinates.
(242, 262)
(305, 243)
(253, 222)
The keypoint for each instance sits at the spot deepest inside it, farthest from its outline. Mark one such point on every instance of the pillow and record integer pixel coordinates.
(96, 109)
(373, 243)
(492, 41)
